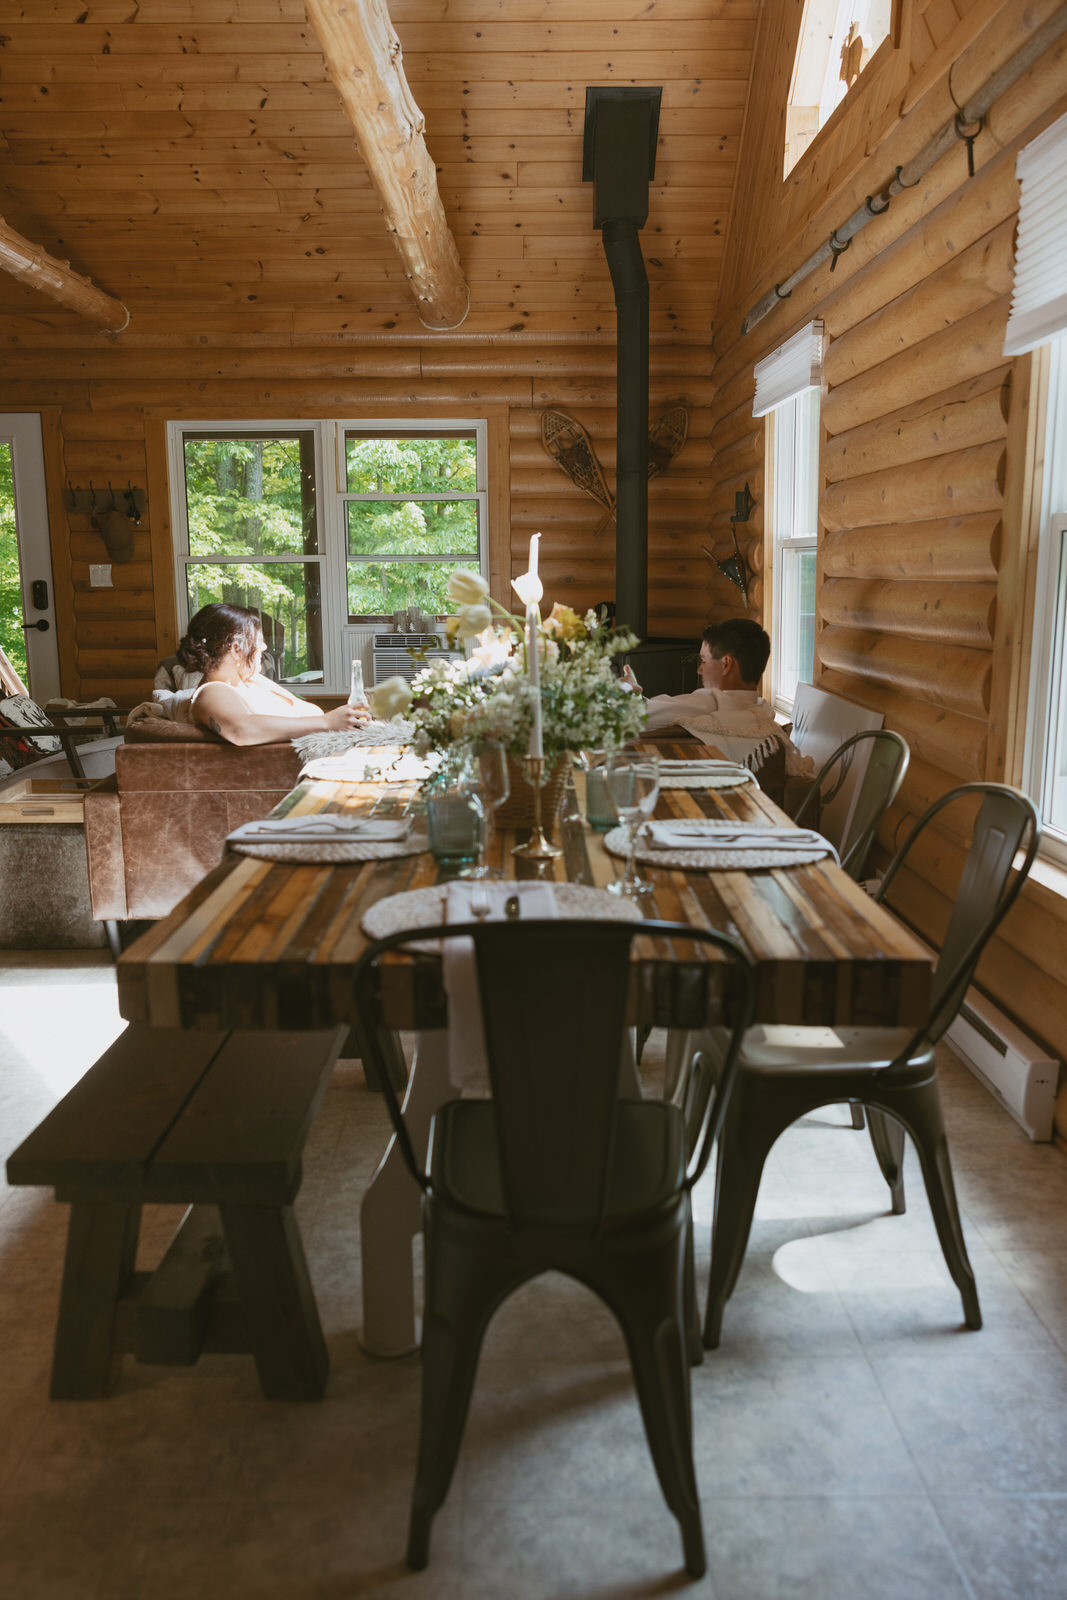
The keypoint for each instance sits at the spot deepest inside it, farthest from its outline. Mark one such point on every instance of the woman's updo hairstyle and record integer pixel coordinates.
(211, 633)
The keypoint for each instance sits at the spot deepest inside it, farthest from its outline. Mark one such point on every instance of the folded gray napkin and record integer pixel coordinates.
(281, 830)
(706, 764)
(697, 834)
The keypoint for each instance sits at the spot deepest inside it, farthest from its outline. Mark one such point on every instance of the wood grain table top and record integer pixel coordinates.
(261, 944)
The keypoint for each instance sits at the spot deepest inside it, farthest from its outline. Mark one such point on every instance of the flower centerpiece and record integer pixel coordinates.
(568, 699)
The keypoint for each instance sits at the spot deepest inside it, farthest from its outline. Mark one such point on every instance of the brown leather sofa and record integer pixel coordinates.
(157, 826)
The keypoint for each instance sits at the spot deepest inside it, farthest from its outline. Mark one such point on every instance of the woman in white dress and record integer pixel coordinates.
(235, 700)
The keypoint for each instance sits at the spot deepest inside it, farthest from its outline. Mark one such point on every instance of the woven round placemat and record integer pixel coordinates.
(426, 907)
(335, 852)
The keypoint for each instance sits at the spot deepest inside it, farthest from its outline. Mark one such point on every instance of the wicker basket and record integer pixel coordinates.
(518, 809)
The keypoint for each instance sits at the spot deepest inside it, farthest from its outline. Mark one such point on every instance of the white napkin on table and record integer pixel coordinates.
(467, 1064)
(694, 833)
(321, 825)
(712, 767)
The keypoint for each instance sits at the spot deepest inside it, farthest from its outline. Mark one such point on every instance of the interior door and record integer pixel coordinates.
(27, 613)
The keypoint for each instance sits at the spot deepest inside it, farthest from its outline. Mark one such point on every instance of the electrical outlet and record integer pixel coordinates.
(100, 576)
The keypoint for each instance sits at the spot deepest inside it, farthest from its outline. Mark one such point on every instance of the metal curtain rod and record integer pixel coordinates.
(971, 116)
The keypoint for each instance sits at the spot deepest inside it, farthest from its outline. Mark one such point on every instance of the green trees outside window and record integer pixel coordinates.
(250, 499)
(12, 638)
(404, 538)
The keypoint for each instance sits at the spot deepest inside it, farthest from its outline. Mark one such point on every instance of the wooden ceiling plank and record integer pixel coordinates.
(34, 267)
(364, 60)
(572, 38)
(533, 66)
(554, 13)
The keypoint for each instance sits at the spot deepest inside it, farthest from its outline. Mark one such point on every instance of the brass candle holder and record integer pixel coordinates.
(537, 847)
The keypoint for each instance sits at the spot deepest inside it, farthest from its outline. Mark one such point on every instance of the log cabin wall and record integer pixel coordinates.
(105, 411)
(924, 422)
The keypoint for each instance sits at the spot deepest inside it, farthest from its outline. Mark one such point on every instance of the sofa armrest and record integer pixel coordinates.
(103, 850)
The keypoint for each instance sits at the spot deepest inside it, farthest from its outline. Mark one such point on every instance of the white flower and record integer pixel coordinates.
(390, 698)
(528, 587)
(467, 588)
(493, 649)
(471, 620)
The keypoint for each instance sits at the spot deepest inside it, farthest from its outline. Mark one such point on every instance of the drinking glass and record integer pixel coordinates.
(599, 811)
(633, 786)
(491, 784)
(455, 818)
(357, 695)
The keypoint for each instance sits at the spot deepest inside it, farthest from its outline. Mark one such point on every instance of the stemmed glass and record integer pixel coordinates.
(633, 783)
(489, 787)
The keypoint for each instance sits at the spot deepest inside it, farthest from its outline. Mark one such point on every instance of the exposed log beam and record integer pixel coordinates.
(363, 58)
(32, 265)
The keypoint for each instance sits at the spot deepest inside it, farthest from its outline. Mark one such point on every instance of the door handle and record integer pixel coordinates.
(41, 626)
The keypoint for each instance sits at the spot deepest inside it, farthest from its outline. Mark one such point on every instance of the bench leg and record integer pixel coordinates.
(278, 1301)
(101, 1249)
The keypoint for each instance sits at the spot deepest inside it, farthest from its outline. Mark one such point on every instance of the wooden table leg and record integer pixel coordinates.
(101, 1250)
(391, 1212)
(278, 1301)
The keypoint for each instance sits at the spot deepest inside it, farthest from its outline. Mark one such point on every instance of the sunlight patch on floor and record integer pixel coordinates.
(58, 1027)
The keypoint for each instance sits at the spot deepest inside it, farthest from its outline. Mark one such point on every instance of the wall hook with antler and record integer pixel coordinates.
(112, 513)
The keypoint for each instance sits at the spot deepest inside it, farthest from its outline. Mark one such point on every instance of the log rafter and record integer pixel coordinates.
(32, 265)
(363, 58)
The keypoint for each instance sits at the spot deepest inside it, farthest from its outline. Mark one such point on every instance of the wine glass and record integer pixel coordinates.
(490, 787)
(633, 784)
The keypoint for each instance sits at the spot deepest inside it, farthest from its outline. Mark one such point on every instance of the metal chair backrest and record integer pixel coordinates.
(986, 890)
(554, 999)
(887, 762)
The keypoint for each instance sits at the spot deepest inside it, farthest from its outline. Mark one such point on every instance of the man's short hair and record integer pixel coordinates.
(743, 639)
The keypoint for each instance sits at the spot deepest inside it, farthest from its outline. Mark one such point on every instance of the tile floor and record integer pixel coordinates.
(852, 1442)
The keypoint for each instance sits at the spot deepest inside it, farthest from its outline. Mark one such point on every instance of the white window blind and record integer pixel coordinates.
(1039, 293)
(790, 370)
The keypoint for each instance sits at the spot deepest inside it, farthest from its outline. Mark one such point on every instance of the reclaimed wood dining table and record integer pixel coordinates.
(270, 944)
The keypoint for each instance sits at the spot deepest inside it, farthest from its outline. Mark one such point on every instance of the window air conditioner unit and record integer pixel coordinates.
(1009, 1064)
(392, 654)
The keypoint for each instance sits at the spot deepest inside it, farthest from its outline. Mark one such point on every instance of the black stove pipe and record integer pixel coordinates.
(619, 157)
(622, 247)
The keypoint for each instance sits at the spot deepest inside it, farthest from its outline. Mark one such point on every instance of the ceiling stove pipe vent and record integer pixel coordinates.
(619, 159)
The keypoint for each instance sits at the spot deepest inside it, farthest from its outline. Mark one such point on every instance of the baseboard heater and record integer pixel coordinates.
(1012, 1067)
(1007, 1062)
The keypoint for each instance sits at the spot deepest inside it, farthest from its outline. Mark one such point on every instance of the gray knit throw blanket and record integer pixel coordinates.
(313, 746)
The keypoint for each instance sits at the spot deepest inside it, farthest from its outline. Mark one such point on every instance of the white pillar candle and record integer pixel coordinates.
(533, 671)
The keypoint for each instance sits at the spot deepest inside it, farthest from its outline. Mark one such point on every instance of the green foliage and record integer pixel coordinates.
(426, 526)
(247, 498)
(410, 465)
(12, 638)
(250, 498)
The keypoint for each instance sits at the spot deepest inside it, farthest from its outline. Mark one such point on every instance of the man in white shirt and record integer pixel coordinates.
(733, 656)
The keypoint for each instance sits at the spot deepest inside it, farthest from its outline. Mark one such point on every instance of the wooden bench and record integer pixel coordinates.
(208, 1120)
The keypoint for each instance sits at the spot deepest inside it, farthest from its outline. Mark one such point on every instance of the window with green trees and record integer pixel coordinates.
(12, 638)
(321, 524)
(250, 510)
(411, 517)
